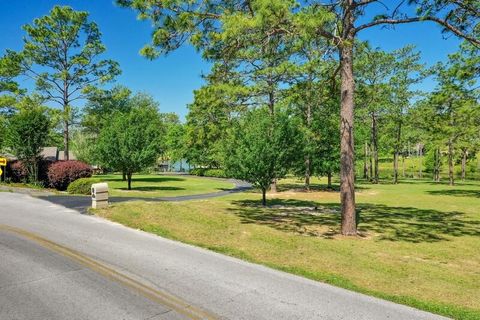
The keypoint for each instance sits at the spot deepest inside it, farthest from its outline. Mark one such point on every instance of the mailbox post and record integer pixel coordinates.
(99, 195)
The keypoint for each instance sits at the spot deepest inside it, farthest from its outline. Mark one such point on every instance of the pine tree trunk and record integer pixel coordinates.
(66, 114)
(347, 151)
(464, 164)
(307, 158)
(437, 165)
(365, 162)
(307, 173)
(420, 162)
(395, 167)
(66, 151)
(450, 163)
(375, 147)
(370, 166)
(397, 152)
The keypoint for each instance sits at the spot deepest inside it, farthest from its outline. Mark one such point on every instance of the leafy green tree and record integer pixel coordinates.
(174, 148)
(374, 69)
(261, 148)
(407, 71)
(133, 140)
(101, 104)
(9, 69)
(207, 25)
(27, 134)
(454, 103)
(316, 104)
(61, 54)
(209, 117)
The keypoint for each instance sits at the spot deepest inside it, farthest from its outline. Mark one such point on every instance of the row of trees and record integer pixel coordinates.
(259, 41)
(391, 115)
(282, 72)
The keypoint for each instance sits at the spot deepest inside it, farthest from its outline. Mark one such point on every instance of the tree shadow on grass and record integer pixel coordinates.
(456, 193)
(152, 188)
(148, 179)
(300, 187)
(383, 222)
(435, 183)
(313, 187)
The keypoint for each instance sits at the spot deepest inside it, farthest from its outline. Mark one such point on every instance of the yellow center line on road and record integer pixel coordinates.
(155, 295)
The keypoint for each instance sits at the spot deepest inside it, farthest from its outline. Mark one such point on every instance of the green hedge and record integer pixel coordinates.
(203, 172)
(81, 186)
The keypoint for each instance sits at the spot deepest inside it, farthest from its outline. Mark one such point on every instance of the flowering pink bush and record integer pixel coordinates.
(62, 173)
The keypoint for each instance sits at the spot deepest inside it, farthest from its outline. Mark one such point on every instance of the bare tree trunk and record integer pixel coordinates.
(307, 173)
(375, 147)
(271, 108)
(370, 166)
(396, 153)
(365, 161)
(403, 164)
(129, 179)
(436, 170)
(450, 162)
(66, 152)
(347, 151)
(307, 158)
(395, 167)
(264, 197)
(420, 162)
(329, 179)
(66, 114)
(464, 163)
(124, 176)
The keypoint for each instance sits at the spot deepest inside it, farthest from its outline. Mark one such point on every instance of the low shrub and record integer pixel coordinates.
(216, 173)
(17, 172)
(82, 186)
(203, 172)
(197, 172)
(43, 166)
(62, 173)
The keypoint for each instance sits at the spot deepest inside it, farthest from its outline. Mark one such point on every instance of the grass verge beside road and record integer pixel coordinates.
(159, 185)
(419, 242)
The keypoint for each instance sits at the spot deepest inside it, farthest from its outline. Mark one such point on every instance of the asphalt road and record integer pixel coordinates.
(58, 264)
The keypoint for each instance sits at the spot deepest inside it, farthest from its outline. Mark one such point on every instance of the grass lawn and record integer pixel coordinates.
(162, 185)
(419, 243)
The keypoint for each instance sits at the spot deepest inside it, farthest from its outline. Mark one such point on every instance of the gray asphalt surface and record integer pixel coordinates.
(40, 281)
(82, 203)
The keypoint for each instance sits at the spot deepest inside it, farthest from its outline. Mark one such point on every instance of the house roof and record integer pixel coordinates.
(49, 153)
(71, 156)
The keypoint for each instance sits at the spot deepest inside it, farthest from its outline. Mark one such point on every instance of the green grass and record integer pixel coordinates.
(148, 186)
(419, 242)
(26, 186)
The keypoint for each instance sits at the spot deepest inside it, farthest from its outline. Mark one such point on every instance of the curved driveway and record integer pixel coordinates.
(82, 203)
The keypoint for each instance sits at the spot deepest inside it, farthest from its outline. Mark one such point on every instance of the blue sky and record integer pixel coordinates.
(172, 79)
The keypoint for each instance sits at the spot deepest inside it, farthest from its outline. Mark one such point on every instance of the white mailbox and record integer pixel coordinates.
(99, 195)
